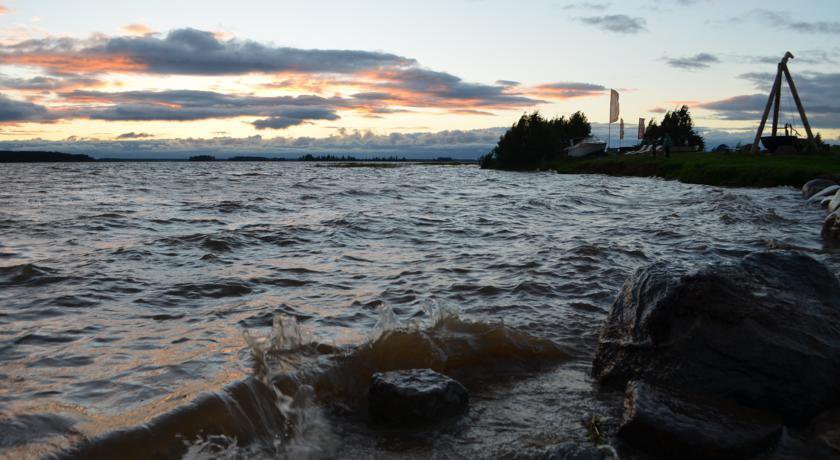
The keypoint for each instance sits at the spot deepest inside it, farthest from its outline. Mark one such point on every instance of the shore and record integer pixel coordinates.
(719, 169)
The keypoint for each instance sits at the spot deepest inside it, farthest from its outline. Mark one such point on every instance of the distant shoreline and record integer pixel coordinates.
(59, 157)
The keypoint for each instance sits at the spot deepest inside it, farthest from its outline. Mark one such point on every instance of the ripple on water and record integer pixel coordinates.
(29, 275)
(128, 311)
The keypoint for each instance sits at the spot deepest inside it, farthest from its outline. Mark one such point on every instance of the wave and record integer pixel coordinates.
(245, 412)
(475, 353)
(215, 290)
(29, 275)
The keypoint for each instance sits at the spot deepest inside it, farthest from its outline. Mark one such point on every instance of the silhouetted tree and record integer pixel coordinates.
(534, 140)
(679, 126)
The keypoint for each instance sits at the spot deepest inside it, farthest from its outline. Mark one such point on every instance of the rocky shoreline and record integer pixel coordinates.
(720, 362)
(733, 360)
(826, 193)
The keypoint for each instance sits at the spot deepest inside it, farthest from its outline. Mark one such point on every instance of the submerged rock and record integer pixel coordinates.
(812, 187)
(694, 426)
(834, 204)
(415, 396)
(572, 451)
(828, 191)
(764, 331)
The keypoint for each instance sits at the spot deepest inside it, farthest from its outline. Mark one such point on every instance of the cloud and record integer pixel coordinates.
(812, 56)
(820, 93)
(785, 21)
(189, 105)
(507, 83)
(696, 62)
(186, 52)
(617, 23)
(42, 83)
(568, 90)
(383, 83)
(418, 87)
(137, 29)
(133, 135)
(295, 116)
(586, 6)
(3, 10)
(13, 111)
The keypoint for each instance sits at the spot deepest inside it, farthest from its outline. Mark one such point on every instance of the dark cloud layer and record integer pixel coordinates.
(820, 93)
(188, 105)
(133, 135)
(422, 87)
(384, 83)
(14, 111)
(295, 116)
(188, 52)
(42, 83)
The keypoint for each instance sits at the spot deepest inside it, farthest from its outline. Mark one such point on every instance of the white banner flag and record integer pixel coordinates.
(614, 111)
(641, 128)
(621, 129)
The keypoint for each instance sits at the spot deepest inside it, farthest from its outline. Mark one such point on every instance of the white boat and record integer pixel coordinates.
(586, 146)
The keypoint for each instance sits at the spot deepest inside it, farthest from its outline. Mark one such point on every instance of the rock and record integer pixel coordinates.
(834, 204)
(812, 187)
(415, 396)
(764, 331)
(824, 192)
(682, 426)
(572, 451)
(831, 229)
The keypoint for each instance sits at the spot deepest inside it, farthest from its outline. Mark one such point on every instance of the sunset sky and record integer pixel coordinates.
(168, 77)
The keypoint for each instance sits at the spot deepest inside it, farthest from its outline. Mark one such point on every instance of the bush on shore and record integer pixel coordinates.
(679, 126)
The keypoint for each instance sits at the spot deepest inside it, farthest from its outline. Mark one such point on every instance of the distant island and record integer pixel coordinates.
(41, 157)
(203, 158)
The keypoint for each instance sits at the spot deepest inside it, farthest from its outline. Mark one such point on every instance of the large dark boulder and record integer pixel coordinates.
(814, 186)
(764, 331)
(415, 396)
(678, 425)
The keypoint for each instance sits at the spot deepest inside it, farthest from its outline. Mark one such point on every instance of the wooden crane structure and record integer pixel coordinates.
(774, 102)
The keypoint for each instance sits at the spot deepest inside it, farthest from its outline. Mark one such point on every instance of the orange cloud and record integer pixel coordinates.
(567, 90)
(75, 64)
(137, 29)
(3, 10)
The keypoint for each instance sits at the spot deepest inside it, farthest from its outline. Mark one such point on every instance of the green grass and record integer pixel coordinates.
(732, 169)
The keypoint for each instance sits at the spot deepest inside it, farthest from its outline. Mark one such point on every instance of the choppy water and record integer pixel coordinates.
(126, 291)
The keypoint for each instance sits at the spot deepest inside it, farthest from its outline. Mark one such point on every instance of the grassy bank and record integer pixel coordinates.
(740, 170)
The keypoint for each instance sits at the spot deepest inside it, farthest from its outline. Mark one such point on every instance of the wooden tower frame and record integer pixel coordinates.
(774, 101)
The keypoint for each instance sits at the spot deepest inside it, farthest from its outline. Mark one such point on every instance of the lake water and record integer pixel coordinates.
(252, 301)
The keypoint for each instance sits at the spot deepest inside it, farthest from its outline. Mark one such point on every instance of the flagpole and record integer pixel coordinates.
(609, 125)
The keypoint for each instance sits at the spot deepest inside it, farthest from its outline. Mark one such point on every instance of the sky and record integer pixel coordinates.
(431, 78)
